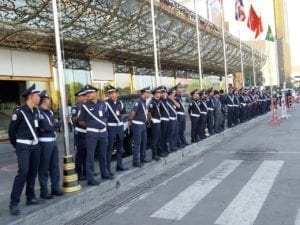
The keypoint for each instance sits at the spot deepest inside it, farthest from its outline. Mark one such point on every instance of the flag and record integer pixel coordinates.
(216, 5)
(254, 22)
(239, 10)
(270, 36)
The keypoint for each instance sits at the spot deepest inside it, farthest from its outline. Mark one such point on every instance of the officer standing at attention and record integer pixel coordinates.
(24, 138)
(93, 116)
(137, 123)
(79, 135)
(181, 142)
(115, 127)
(230, 107)
(194, 112)
(203, 116)
(210, 112)
(49, 162)
(154, 117)
(165, 118)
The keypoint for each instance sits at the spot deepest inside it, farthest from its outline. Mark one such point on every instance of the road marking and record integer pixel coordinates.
(245, 207)
(123, 208)
(256, 152)
(297, 220)
(179, 206)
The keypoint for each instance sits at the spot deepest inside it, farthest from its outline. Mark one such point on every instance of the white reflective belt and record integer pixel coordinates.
(236, 105)
(230, 105)
(211, 109)
(138, 122)
(181, 113)
(173, 118)
(204, 113)
(166, 110)
(92, 115)
(164, 119)
(27, 142)
(155, 120)
(195, 115)
(115, 124)
(47, 139)
(30, 127)
(243, 104)
(95, 130)
(81, 130)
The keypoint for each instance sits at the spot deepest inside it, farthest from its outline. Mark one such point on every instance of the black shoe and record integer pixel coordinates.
(111, 174)
(93, 183)
(14, 210)
(46, 196)
(156, 158)
(95, 174)
(146, 160)
(162, 155)
(33, 201)
(137, 164)
(108, 177)
(121, 168)
(57, 193)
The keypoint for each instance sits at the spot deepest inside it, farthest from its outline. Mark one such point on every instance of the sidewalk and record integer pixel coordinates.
(76, 203)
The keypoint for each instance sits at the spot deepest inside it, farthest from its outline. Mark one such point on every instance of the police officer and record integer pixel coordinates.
(49, 162)
(115, 127)
(23, 136)
(137, 123)
(93, 116)
(194, 112)
(181, 142)
(210, 112)
(154, 118)
(223, 108)
(79, 135)
(165, 118)
(217, 112)
(230, 107)
(173, 124)
(203, 117)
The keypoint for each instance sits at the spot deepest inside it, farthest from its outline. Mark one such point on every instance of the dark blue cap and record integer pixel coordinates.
(44, 94)
(163, 89)
(29, 91)
(89, 88)
(111, 88)
(194, 91)
(80, 92)
(178, 85)
(156, 90)
(171, 91)
(146, 89)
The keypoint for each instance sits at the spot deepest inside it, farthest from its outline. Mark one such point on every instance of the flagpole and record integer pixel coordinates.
(224, 50)
(241, 52)
(198, 45)
(154, 44)
(61, 79)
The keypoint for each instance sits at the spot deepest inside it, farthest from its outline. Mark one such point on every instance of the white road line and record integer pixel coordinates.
(245, 207)
(179, 206)
(123, 208)
(256, 152)
(297, 220)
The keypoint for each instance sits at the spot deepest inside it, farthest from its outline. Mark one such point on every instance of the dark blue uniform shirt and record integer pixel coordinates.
(140, 109)
(178, 98)
(172, 109)
(194, 108)
(154, 109)
(75, 112)
(118, 109)
(164, 112)
(47, 125)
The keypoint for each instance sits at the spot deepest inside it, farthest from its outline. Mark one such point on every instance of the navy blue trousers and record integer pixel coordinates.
(115, 135)
(181, 130)
(80, 158)
(156, 135)
(194, 128)
(49, 166)
(172, 131)
(28, 164)
(139, 133)
(163, 146)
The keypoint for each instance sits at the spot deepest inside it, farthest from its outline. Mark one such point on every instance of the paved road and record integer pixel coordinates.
(252, 179)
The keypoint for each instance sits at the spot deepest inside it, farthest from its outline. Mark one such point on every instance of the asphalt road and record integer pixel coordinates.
(254, 178)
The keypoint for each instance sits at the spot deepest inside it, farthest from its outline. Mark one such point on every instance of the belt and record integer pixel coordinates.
(195, 115)
(181, 113)
(173, 118)
(95, 130)
(204, 113)
(230, 105)
(47, 139)
(236, 105)
(164, 119)
(115, 124)
(211, 109)
(155, 120)
(81, 130)
(27, 142)
(138, 122)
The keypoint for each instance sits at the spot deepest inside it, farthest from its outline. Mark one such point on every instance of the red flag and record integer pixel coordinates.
(254, 22)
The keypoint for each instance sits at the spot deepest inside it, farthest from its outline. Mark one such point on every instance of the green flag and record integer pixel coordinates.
(270, 36)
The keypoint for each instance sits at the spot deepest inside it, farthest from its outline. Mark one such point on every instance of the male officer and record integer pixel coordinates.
(23, 136)
(79, 135)
(173, 123)
(154, 117)
(230, 107)
(115, 127)
(49, 162)
(217, 112)
(223, 108)
(181, 142)
(210, 112)
(137, 122)
(164, 124)
(194, 112)
(203, 117)
(93, 116)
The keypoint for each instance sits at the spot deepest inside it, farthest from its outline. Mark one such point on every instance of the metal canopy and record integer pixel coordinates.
(120, 31)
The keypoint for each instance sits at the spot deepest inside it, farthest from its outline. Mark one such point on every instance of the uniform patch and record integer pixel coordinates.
(41, 117)
(191, 104)
(136, 104)
(151, 105)
(14, 117)
(73, 111)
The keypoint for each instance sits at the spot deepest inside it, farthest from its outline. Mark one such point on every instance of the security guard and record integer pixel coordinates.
(181, 142)
(210, 112)
(165, 118)
(79, 135)
(49, 162)
(154, 118)
(173, 125)
(230, 107)
(194, 112)
(115, 127)
(137, 123)
(93, 116)
(23, 136)
(203, 117)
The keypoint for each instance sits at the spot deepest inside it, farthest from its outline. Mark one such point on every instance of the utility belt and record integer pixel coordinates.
(138, 122)
(155, 120)
(181, 113)
(47, 139)
(173, 118)
(211, 109)
(80, 130)
(165, 119)
(27, 142)
(115, 124)
(95, 130)
(195, 115)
